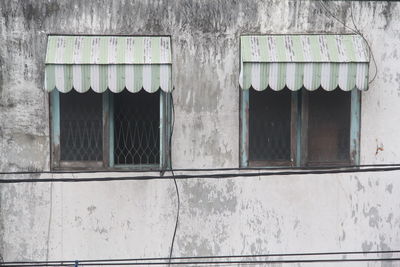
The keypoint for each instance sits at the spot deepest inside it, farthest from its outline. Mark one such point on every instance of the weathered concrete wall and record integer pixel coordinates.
(233, 216)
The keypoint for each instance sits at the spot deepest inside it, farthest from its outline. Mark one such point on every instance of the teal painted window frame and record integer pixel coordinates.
(298, 157)
(108, 136)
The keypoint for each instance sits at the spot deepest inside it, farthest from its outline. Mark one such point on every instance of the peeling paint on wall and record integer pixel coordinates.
(232, 216)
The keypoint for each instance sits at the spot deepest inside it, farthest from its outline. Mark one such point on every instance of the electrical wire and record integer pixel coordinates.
(337, 253)
(210, 262)
(321, 2)
(200, 169)
(271, 172)
(356, 31)
(257, 261)
(371, 54)
(174, 179)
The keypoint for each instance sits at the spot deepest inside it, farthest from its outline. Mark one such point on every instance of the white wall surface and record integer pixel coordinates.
(259, 215)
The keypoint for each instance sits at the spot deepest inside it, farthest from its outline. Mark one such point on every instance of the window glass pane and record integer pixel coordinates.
(81, 126)
(329, 126)
(269, 125)
(137, 128)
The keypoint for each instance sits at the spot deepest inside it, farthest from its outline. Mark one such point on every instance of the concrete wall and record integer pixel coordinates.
(231, 216)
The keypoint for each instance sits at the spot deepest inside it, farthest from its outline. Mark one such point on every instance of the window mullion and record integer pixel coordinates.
(304, 128)
(294, 130)
(106, 132)
(168, 130)
(55, 127)
(355, 127)
(244, 128)
(110, 129)
(162, 129)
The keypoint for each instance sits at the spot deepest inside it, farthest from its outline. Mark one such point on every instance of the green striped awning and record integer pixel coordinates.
(113, 62)
(309, 61)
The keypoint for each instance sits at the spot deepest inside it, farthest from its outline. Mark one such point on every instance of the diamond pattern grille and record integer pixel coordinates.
(136, 128)
(269, 125)
(81, 126)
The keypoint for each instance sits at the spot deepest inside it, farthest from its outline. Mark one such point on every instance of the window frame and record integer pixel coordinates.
(298, 131)
(108, 137)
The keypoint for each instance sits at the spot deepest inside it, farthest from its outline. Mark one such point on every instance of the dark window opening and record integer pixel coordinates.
(303, 128)
(137, 128)
(269, 126)
(81, 126)
(329, 126)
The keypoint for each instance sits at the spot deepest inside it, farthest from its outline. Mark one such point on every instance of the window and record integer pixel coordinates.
(326, 124)
(81, 127)
(110, 101)
(300, 128)
(110, 130)
(137, 128)
(300, 99)
(270, 133)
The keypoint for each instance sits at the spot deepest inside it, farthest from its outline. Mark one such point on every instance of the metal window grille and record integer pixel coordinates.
(137, 128)
(81, 126)
(269, 125)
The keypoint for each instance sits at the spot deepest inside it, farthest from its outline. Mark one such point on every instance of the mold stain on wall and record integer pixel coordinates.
(234, 216)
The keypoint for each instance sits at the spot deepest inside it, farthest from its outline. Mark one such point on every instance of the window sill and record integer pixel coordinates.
(76, 166)
(270, 164)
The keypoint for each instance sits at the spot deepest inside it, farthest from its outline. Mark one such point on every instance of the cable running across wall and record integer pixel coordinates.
(174, 179)
(305, 168)
(355, 30)
(338, 253)
(262, 174)
(217, 260)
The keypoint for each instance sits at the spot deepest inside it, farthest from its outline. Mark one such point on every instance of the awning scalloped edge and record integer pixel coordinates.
(116, 78)
(310, 76)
